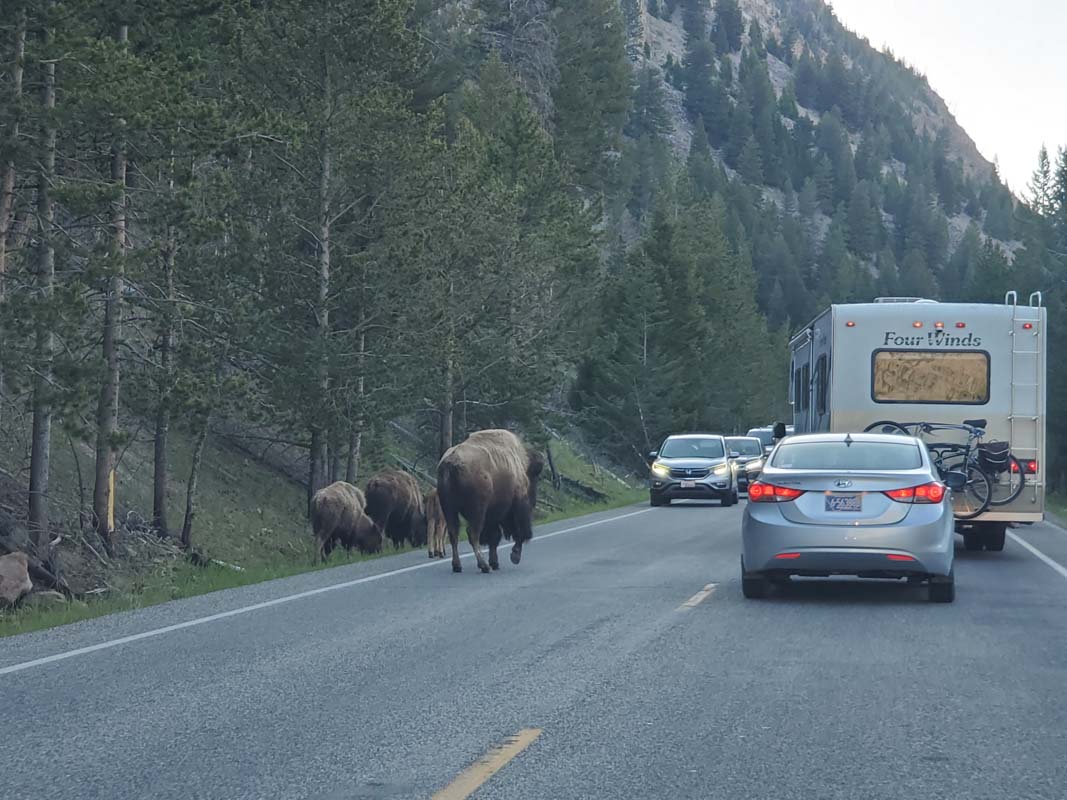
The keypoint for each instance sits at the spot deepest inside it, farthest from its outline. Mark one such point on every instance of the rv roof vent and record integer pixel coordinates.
(903, 300)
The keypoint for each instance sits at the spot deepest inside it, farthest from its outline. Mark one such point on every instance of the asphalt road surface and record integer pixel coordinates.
(619, 660)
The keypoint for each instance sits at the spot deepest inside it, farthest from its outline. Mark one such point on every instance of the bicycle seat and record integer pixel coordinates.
(976, 423)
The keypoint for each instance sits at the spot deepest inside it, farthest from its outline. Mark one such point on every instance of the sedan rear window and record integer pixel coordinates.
(873, 456)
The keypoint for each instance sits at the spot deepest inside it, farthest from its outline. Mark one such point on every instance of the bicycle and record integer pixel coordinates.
(1007, 474)
(978, 493)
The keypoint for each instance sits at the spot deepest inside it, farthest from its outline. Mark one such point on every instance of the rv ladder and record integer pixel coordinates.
(1024, 419)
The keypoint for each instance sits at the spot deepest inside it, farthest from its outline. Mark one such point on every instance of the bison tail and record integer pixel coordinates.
(448, 493)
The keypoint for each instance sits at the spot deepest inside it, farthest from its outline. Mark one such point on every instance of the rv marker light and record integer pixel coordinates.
(939, 325)
(916, 324)
(1028, 326)
(961, 324)
(850, 324)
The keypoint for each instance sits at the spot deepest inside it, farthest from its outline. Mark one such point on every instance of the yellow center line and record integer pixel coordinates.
(699, 597)
(475, 776)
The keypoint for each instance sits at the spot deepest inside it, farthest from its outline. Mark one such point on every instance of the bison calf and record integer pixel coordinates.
(490, 480)
(338, 516)
(436, 527)
(394, 502)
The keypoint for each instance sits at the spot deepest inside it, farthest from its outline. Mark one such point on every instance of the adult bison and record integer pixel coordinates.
(491, 480)
(394, 502)
(436, 528)
(338, 516)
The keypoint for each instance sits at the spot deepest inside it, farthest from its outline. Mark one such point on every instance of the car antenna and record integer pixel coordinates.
(848, 440)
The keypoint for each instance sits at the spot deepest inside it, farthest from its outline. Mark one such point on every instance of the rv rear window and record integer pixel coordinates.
(916, 376)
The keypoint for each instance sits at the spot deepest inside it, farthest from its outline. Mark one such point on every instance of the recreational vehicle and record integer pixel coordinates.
(914, 360)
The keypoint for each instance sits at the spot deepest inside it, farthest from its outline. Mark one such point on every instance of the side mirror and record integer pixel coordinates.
(779, 430)
(734, 454)
(956, 481)
(653, 455)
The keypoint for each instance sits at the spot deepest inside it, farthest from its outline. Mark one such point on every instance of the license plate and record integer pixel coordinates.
(689, 484)
(844, 502)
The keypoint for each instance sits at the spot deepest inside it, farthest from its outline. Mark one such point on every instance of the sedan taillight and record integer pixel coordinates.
(760, 492)
(927, 493)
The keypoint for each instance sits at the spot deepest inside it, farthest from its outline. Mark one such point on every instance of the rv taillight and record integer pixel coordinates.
(1029, 467)
(1028, 326)
(961, 324)
(916, 324)
(850, 324)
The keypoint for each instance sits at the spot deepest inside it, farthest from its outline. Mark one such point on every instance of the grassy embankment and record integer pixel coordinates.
(249, 517)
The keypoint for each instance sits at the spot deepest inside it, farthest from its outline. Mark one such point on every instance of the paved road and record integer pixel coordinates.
(378, 683)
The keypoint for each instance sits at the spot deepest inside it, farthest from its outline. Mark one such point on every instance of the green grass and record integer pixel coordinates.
(1057, 504)
(252, 517)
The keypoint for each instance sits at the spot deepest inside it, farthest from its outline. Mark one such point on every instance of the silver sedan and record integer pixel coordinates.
(870, 505)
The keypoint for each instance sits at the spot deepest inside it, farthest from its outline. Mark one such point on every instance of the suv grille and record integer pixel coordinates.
(690, 472)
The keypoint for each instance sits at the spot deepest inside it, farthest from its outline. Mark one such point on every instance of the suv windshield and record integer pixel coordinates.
(874, 456)
(693, 447)
(745, 446)
(765, 435)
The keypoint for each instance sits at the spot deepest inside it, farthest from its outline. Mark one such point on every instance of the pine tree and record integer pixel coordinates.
(787, 103)
(740, 132)
(916, 280)
(729, 26)
(750, 162)
(864, 225)
(808, 201)
(593, 94)
(807, 80)
(649, 115)
(1041, 185)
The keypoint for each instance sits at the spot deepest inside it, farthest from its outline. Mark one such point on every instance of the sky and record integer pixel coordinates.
(1000, 65)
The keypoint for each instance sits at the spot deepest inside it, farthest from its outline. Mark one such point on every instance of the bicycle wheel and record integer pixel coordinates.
(1008, 484)
(973, 499)
(887, 426)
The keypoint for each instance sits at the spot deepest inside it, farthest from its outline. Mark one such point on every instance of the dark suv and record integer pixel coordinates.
(694, 466)
(750, 461)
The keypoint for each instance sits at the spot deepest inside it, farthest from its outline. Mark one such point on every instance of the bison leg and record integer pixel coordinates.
(453, 539)
(494, 562)
(523, 532)
(475, 525)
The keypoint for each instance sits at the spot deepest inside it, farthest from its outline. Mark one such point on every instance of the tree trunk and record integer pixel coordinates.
(448, 400)
(160, 471)
(447, 406)
(355, 447)
(107, 412)
(335, 462)
(7, 183)
(41, 445)
(355, 438)
(322, 310)
(190, 489)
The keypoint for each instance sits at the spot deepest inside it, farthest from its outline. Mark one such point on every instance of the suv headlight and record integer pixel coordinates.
(661, 470)
(722, 469)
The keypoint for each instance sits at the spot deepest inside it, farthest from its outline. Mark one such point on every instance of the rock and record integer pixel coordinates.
(44, 599)
(14, 577)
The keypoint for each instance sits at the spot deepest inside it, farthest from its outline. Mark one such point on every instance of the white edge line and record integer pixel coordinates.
(1056, 565)
(267, 604)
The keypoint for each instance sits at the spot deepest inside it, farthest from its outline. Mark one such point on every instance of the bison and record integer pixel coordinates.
(491, 480)
(338, 516)
(394, 502)
(436, 528)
